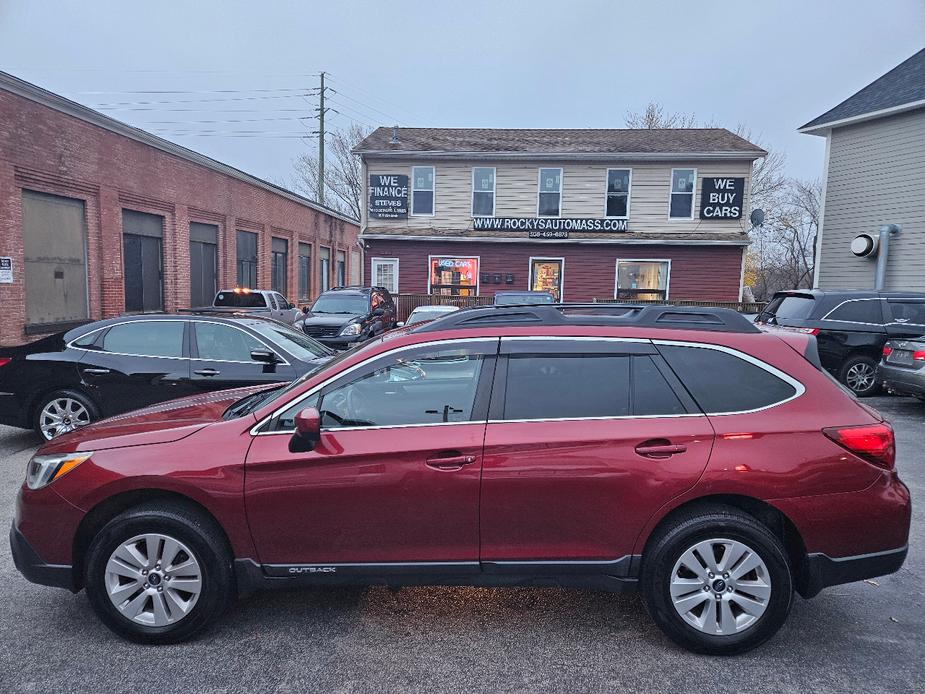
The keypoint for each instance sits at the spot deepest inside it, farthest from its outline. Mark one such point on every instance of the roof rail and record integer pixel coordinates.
(624, 315)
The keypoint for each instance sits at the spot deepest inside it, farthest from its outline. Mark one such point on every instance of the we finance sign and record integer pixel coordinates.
(388, 196)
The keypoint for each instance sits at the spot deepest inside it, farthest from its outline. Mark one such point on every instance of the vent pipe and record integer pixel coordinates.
(395, 139)
(883, 252)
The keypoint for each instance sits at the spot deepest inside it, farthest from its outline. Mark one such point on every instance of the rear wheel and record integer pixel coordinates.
(717, 581)
(859, 373)
(158, 573)
(63, 411)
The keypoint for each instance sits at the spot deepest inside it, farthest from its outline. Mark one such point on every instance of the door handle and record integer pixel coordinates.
(96, 371)
(450, 463)
(659, 448)
(207, 372)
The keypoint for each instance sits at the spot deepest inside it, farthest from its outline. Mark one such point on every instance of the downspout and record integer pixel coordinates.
(883, 251)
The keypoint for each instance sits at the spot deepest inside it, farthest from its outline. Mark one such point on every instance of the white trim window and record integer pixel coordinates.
(549, 193)
(681, 200)
(617, 197)
(384, 273)
(483, 191)
(453, 275)
(422, 191)
(643, 279)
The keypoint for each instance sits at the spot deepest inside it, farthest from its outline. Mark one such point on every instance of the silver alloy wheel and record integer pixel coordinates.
(720, 586)
(62, 415)
(860, 377)
(153, 579)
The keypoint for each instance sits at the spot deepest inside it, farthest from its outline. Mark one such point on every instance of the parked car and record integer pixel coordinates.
(258, 302)
(345, 316)
(425, 313)
(112, 366)
(851, 327)
(679, 451)
(901, 368)
(515, 298)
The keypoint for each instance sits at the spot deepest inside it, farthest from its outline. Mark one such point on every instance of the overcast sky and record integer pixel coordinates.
(771, 66)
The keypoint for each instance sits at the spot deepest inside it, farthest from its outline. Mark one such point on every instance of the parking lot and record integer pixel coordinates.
(864, 637)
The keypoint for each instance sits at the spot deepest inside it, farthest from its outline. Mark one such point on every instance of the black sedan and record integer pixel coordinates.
(112, 366)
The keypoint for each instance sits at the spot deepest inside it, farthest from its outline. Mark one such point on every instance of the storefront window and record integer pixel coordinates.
(454, 276)
(683, 183)
(546, 275)
(483, 192)
(618, 193)
(642, 279)
(422, 190)
(550, 193)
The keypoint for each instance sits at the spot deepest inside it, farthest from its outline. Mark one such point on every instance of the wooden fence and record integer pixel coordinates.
(405, 303)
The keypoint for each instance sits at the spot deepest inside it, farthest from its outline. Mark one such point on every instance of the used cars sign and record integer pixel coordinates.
(721, 198)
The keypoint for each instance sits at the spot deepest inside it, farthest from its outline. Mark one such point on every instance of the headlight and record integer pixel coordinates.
(352, 329)
(45, 468)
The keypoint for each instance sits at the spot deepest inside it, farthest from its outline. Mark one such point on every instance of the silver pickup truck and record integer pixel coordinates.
(257, 301)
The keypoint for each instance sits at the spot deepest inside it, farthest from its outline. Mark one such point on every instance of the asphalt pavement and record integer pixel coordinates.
(862, 637)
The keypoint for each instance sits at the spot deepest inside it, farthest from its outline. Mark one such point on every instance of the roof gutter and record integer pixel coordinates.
(559, 156)
(822, 128)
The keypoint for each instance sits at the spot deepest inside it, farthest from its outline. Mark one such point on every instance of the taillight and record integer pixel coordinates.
(919, 355)
(887, 350)
(808, 331)
(5, 360)
(872, 442)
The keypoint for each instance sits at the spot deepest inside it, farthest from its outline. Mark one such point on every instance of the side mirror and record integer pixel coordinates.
(307, 431)
(305, 309)
(400, 324)
(265, 356)
(378, 312)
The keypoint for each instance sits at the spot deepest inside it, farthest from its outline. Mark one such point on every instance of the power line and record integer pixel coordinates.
(200, 101)
(229, 120)
(362, 117)
(367, 106)
(201, 91)
(373, 97)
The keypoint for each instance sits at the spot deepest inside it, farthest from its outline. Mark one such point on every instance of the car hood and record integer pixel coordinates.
(330, 318)
(161, 423)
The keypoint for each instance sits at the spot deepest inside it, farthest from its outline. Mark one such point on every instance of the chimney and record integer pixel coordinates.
(395, 140)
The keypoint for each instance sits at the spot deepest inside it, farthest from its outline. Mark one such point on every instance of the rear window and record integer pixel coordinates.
(790, 307)
(721, 382)
(858, 311)
(907, 312)
(240, 300)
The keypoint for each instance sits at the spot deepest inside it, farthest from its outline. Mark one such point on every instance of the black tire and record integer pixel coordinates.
(867, 365)
(64, 394)
(706, 523)
(193, 529)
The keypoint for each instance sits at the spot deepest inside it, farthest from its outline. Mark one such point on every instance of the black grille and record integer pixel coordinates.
(320, 330)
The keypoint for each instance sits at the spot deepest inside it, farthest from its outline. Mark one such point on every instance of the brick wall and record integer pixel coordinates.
(697, 272)
(45, 150)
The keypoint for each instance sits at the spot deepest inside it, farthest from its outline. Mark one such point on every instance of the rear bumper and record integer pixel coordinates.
(34, 568)
(902, 380)
(820, 570)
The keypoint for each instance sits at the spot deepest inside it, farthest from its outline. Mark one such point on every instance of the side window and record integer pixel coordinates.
(652, 395)
(907, 312)
(224, 343)
(87, 340)
(863, 311)
(721, 382)
(146, 338)
(552, 386)
(281, 301)
(272, 299)
(433, 387)
(375, 300)
(286, 421)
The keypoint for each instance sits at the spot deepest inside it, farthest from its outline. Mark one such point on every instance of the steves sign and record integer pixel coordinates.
(721, 198)
(388, 196)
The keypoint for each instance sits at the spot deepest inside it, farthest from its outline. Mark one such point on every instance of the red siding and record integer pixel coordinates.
(697, 272)
(42, 149)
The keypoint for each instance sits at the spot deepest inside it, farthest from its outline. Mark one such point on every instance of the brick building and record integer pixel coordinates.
(98, 218)
(585, 214)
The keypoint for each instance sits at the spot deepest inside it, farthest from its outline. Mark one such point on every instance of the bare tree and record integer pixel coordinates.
(654, 117)
(343, 177)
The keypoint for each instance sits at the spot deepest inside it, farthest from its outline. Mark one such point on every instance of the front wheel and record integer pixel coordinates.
(859, 373)
(717, 582)
(158, 573)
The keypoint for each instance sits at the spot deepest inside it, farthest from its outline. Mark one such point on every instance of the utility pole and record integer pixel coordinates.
(321, 112)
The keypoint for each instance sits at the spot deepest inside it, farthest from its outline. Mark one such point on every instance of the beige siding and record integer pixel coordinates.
(876, 176)
(582, 193)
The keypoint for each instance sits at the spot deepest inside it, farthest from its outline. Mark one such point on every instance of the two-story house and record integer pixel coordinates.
(584, 214)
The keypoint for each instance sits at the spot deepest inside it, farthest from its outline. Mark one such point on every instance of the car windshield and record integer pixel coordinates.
(297, 343)
(525, 298)
(341, 303)
(240, 299)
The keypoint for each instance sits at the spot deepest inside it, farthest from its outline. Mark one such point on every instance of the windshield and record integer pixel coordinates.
(240, 300)
(525, 298)
(297, 343)
(341, 303)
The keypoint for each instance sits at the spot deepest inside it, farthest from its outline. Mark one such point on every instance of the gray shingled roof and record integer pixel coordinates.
(904, 84)
(558, 141)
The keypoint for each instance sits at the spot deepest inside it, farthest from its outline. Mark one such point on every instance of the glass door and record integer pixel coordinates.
(546, 275)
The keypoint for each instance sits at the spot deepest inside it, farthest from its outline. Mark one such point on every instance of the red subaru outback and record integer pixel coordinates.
(682, 452)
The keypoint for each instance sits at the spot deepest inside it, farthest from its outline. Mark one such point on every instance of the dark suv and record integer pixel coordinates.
(344, 316)
(851, 327)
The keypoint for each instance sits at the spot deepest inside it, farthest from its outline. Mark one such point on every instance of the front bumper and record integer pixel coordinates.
(341, 342)
(820, 570)
(904, 381)
(35, 569)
